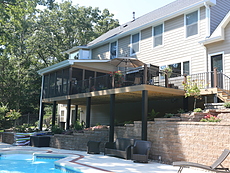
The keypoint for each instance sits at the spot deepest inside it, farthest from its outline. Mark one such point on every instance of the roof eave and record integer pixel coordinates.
(54, 67)
(66, 63)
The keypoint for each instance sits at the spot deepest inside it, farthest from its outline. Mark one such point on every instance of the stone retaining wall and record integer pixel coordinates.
(78, 141)
(200, 142)
(172, 139)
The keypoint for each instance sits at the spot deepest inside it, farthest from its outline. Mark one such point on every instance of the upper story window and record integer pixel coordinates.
(191, 24)
(158, 35)
(135, 43)
(113, 50)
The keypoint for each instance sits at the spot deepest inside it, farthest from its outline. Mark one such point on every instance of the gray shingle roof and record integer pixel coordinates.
(148, 18)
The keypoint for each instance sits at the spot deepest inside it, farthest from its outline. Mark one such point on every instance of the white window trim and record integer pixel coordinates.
(131, 44)
(214, 54)
(163, 28)
(110, 49)
(198, 25)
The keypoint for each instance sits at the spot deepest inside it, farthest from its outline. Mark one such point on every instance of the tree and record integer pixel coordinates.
(192, 88)
(32, 39)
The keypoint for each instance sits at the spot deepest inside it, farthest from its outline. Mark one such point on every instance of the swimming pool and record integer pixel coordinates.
(27, 163)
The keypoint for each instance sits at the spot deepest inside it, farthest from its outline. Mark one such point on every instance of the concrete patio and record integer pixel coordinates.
(98, 163)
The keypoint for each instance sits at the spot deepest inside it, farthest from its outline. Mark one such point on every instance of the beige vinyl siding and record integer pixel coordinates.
(222, 46)
(176, 47)
(101, 52)
(124, 46)
(218, 12)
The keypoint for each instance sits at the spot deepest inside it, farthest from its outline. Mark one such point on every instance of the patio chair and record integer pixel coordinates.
(93, 147)
(214, 167)
(140, 151)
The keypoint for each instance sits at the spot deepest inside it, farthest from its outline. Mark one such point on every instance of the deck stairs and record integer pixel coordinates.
(223, 95)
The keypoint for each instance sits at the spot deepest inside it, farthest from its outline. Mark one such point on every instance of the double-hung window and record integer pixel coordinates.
(158, 35)
(135, 43)
(191, 23)
(113, 50)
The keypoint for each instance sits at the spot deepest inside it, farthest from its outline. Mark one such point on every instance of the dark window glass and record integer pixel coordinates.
(192, 24)
(135, 43)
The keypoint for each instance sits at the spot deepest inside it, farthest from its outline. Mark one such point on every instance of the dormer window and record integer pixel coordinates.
(113, 50)
(135, 43)
(191, 21)
(158, 35)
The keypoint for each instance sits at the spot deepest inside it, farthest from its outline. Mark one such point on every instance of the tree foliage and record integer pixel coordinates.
(31, 39)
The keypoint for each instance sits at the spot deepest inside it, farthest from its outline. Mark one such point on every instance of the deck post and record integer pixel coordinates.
(215, 78)
(41, 115)
(68, 114)
(88, 107)
(145, 74)
(76, 114)
(54, 113)
(112, 116)
(166, 80)
(144, 114)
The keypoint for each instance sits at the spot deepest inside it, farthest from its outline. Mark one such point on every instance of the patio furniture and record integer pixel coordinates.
(214, 167)
(40, 141)
(93, 147)
(120, 148)
(140, 151)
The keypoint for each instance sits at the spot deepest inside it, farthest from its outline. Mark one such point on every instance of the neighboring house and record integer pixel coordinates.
(189, 36)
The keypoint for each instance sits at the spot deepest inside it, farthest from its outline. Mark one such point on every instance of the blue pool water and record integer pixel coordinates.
(26, 163)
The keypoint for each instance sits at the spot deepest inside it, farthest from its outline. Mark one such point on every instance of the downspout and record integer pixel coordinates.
(208, 32)
(208, 20)
(41, 109)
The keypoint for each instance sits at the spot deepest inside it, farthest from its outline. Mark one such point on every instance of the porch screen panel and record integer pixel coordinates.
(59, 83)
(52, 85)
(65, 81)
(45, 93)
(76, 80)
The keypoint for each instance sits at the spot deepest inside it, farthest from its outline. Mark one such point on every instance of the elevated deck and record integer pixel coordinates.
(124, 94)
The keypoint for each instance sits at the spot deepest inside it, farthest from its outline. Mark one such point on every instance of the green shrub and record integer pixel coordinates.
(168, 115)
(226, 104)
(152, 115)
(56, 130)
(78, 125)
(180, 111)
(197, 110)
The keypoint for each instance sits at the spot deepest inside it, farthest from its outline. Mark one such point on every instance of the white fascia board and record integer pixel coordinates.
(211, 40)
(67, 63)
(218, 34)
(74, 49)
(167, 17)
(59, 65)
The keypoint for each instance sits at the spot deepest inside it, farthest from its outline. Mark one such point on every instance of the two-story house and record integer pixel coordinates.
(186, 35)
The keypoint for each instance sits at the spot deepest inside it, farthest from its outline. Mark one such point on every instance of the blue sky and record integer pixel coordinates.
(123, 9)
